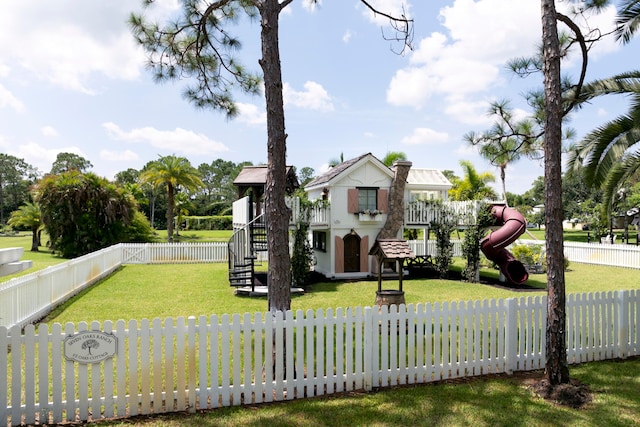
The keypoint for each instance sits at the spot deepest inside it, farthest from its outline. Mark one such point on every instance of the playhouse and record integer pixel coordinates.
(358, 201)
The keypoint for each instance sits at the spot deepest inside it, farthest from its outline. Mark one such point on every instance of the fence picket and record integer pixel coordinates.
(230, 360)
(327, 350)
(145, 367)
(339, 345)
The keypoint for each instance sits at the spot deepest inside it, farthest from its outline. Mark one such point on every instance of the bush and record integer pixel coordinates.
(221, 222)
(533, 254)
(139, 230)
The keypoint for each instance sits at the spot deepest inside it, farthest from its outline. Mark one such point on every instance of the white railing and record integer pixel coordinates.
(174, 253)
(426, 212)
(209, 362)
(28, 298)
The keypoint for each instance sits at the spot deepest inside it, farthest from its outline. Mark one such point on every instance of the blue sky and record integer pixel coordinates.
(73, 80)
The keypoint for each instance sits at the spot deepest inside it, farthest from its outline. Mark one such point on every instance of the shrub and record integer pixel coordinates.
(221, 222)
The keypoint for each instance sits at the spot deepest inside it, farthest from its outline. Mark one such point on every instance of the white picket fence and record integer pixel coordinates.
(191, 364)
(28, 298)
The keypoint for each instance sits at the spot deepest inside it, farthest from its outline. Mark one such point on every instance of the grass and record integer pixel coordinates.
(41, 260)
(138, 291)
(150, 291)
(483, 401)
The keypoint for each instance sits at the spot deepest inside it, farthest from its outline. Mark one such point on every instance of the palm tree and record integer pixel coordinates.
(393, 156)
(609, 154)
(628, 20)
(474, 185)
(28, 215)
(172, 173)
(507, 140)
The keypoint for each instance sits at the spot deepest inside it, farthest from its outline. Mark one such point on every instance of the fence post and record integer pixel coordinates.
(511, 336)
(368, 348)
(622, 301)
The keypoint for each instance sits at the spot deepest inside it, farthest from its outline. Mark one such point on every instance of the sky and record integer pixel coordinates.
(72, 79)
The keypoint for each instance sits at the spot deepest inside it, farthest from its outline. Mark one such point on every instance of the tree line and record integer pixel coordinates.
(83, 212)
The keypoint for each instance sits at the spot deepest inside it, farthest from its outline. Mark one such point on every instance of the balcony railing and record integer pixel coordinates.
(419, 213)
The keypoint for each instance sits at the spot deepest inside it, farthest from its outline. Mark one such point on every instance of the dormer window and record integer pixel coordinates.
(367, 199)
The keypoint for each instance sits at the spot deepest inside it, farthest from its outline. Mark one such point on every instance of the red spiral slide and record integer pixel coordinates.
(493, 246)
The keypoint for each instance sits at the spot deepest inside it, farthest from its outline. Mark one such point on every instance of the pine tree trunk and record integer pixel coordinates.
(557, 369)
(277, 216)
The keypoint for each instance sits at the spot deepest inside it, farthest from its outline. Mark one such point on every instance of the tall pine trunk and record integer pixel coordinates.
(277, 217)
(557, 369)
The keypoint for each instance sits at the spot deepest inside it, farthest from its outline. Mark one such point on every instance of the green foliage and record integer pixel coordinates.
(529, 254)
(139, 230)
(216, 222)
(15, 178)
(302, 256)
(474, 185)
(173, 174)
(198, 44)
(608, 156)
(29, 217)
(393, 156)
(218, 192)
(532, 255)
(66, 162)
(471, 243)
(83, 212)
(442, 230)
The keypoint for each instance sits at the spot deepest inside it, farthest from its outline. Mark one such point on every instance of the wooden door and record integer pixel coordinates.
(351, 253)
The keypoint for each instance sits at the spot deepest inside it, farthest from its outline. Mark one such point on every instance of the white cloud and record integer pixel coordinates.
(8, 100)
(118, 155)
(49, 131)
(251, 114)
(314, 97)
(346, 37)
(468, 59)
(40, 156)
(422, 136)
(178, 140)
(68, 49)
(311, 5)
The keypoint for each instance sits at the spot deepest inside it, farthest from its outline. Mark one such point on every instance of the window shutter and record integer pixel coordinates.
(364, 254)
(352, 200)
(383, 200)
(339, 261)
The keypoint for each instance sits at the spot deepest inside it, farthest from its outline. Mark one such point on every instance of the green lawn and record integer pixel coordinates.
(194, 289)
(139, 291)
(484, 401)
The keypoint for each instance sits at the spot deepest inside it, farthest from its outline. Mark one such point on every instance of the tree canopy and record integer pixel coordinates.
(66, 162)
(172, 173)
(83, 213)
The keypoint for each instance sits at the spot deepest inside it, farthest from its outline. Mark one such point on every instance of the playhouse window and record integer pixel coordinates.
(367, 199)
(320, 240)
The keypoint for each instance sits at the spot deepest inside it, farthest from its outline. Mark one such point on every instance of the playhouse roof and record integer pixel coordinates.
(392, 249)
(430, 177)
(331, 174)
(252, 176)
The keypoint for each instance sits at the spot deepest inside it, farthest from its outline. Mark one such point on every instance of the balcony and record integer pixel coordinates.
(423, 213)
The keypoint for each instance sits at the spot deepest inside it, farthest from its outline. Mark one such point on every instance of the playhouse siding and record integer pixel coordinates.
(345, 220)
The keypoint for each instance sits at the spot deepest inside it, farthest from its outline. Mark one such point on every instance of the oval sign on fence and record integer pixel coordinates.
(90, 347)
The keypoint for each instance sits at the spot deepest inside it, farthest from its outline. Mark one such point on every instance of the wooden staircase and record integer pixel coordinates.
(244, 246)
